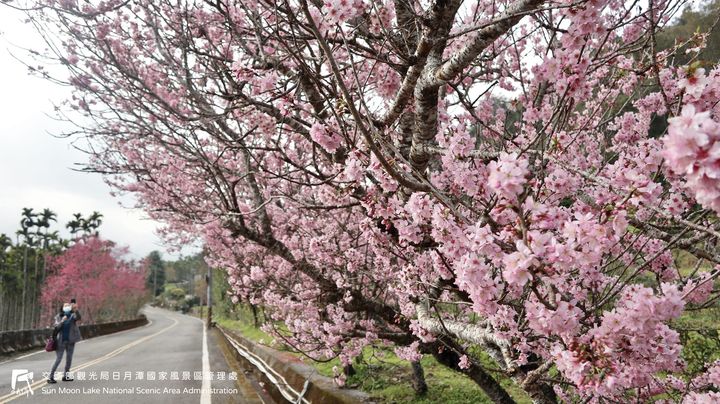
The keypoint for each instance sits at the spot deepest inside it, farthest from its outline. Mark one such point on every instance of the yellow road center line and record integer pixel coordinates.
(12, 396)
(149, 323)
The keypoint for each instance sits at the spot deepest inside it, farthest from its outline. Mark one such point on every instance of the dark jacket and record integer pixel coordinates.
(74, 335)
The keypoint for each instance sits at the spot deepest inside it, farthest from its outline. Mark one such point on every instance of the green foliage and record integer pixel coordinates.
(22, 264)
(181, 283)
(698, 328)
(175, 297)
(10, 280)
(222, 304)
(699, 335)
(155, 279)
(10, 266)
(247, 329)
(174, 292)
(679, 32)
(183, 270)
(690, 23)
(699, 349)
(81, 226)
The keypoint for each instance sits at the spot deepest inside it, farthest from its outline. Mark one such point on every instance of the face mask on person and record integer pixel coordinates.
(67, 310)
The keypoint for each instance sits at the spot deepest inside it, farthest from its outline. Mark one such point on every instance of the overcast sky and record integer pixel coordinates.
(35, 167)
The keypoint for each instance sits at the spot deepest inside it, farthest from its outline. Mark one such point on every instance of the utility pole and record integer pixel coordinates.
(208, 279)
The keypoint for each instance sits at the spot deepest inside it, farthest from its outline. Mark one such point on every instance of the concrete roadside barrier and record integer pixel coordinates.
(23, 340)
(285, 377)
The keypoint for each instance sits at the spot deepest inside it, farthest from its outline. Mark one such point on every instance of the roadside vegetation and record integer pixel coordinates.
(389, 379)
(378, 371)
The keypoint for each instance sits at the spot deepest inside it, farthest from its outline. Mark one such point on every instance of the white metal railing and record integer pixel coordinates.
(287, 391)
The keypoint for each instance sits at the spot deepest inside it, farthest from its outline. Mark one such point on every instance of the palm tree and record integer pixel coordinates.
(5, 242)
(60, 243)
(5, 276)
(93, 222)
(53, 242)
(34, 242)
(27, 221)
(46, 217)
(43, 222)
(76, 224)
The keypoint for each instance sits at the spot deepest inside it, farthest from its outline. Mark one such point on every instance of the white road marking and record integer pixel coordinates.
(205, 388)
(80, 342)
(24, 356)
(10, 397)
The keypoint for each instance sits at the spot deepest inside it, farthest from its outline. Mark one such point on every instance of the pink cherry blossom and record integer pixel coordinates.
(339, 11)
(508, 175)
(325, 138)
(464, 362)
(433, 178)
(518, 265)
(695, 83)
(692, 150)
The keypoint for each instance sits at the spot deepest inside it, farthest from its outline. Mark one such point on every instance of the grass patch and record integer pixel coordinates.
(388, 379)
(700, 338)
(243, 324)
(380, 373)
(247, 330)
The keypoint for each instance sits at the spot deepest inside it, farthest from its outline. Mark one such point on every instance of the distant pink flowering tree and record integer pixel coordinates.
(93, 271)
(438, 176)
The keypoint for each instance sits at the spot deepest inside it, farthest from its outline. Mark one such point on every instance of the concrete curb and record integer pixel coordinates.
(249, 388)
(23, 340)
(319, 389)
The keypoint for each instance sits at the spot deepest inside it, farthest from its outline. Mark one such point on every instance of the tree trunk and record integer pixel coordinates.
(6, 321)
(256, 322)
(17, 313)
(445, 351)
(42, 282)
(6, 313)
(34, 312)
(23, 303)
(154, 282)
(349, 370)
(418, 378)
(542, 394)
(2, 310)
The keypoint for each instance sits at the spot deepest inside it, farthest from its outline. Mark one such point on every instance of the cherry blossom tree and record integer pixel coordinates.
(93, 271)
(444, 177)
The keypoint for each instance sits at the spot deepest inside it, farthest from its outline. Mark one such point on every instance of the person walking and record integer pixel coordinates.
(68, 333)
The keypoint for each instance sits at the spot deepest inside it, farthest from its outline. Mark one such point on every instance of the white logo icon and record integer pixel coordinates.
(21, 375)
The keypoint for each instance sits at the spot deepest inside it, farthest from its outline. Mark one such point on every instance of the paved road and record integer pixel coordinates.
(136, 365)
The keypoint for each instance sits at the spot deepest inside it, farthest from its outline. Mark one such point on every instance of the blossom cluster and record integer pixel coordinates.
(339, 11)
(503, 171)
(325, 137)
(692, 149)
(508, 175)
